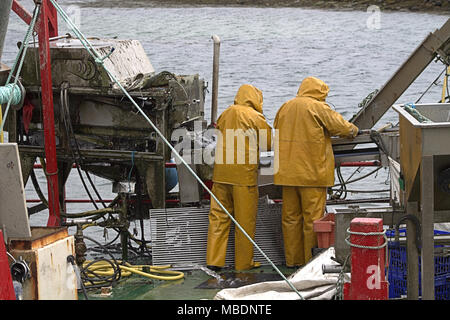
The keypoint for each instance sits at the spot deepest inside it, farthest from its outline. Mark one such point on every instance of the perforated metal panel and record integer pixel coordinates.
(179, 235)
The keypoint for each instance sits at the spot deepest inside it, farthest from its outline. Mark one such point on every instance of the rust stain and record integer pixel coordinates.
(40, 237)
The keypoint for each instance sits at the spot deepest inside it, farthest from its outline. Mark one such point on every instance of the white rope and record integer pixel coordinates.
(378, 233)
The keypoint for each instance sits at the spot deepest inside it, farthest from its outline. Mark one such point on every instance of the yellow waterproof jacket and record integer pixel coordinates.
(305, 126)
(243, 129)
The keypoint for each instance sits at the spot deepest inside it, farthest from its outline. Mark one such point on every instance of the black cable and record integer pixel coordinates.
(95, 279)
(66, 125)
(79, 161)
(66, 104)
(448, 90)
(343, 187)
(433, 83)
(416, 222)
(139, 209)
(360, 178)
(37, 188)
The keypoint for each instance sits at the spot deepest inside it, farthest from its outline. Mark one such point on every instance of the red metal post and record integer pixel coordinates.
(368, 280)
(21, 12)
(6, 284)
(47, 27)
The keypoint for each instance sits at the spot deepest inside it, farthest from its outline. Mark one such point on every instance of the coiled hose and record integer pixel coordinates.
(101, 272)
(104, 268)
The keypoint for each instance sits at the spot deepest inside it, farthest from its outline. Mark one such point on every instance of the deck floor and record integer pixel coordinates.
(137, 287)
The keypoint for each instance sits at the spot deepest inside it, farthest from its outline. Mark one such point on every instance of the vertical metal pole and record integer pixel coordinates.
(215, 86)
(427, 212)
(412, 253)
(46, 29)
(124, 226)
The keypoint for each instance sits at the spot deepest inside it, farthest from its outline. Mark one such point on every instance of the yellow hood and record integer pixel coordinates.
(313, 88)
(250, 96)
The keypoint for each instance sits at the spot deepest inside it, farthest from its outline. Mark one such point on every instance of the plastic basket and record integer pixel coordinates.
(397, 275)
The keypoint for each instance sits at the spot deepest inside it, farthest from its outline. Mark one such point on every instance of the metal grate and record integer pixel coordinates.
(179, 235)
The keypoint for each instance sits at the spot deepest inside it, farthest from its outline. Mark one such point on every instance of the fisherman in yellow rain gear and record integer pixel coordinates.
(243, 132)
(305, 162)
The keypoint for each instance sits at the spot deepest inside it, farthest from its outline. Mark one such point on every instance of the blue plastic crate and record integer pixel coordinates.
(397, 275)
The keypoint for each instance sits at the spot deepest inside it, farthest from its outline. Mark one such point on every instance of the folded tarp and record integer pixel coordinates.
(310, 281)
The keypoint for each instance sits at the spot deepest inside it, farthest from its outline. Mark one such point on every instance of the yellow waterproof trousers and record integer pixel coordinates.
(242, 203)
(301, 207)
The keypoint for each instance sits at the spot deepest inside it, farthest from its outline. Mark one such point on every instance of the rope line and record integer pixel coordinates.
(20, 56)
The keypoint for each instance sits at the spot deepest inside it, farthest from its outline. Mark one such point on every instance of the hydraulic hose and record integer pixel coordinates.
(104, 268)
(416, 223)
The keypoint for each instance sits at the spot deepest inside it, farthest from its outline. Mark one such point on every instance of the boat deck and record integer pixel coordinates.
(196, 285)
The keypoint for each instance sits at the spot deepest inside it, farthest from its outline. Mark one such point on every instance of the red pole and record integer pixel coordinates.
(368, 261)
(375, 163)
(47, 27)
(6, 283)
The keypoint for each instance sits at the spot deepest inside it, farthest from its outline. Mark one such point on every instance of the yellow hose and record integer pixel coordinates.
(444, 87)
(104, 268)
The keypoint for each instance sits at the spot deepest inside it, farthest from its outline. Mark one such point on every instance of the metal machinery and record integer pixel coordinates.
(421, 197)
(425, 163)
(95, 126)
(75, 116)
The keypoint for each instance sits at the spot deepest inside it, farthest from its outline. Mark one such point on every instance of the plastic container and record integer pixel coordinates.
(397, 275)
(324, 229)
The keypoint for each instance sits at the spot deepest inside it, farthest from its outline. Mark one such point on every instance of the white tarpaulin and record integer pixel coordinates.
(311, 283)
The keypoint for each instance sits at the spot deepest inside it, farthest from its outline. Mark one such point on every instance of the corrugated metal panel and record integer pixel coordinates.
(179, 235)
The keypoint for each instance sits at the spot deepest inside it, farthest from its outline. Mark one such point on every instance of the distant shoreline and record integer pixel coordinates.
(432, 6)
